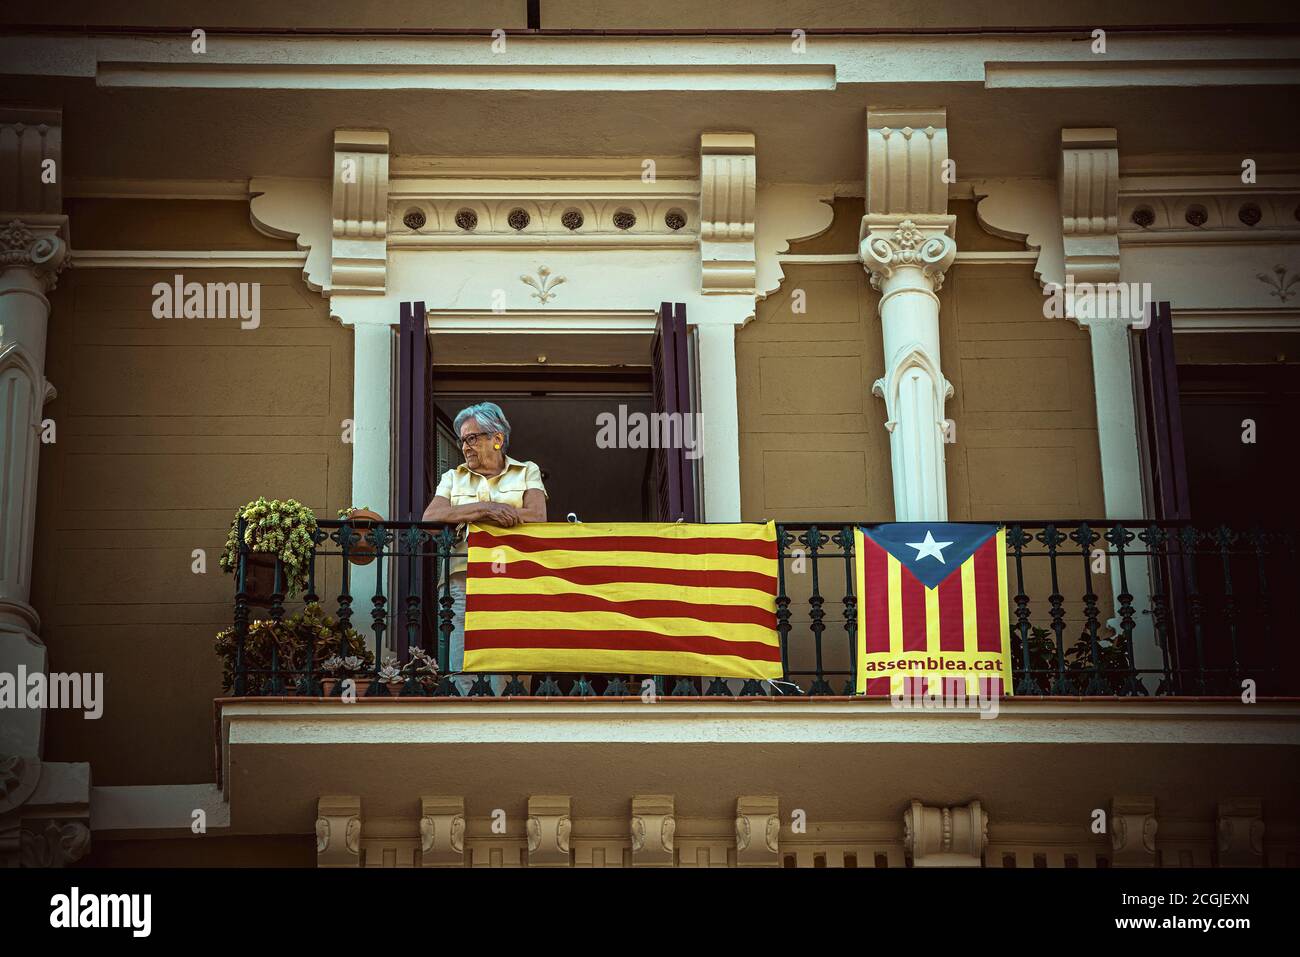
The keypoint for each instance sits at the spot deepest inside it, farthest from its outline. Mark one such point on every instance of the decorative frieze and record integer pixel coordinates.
(1158, 214)
(1133, 831)
(549, 829)
(442, 831)
(1240, 828)
(338, 831)
(758, 830)
(946, 836)
(654, 825)
(728, 192)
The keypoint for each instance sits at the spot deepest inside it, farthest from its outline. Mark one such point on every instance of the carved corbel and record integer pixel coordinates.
(359, 228)
(549, 829)
(1133, 831)
(946, 836)
(728, 190)
(758, 830)
(338, 831)
(442, 831)
(1089, 195)
(1241, 833)
(653, 827)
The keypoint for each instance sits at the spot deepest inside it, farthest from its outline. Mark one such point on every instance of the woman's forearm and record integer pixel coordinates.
(443, 511)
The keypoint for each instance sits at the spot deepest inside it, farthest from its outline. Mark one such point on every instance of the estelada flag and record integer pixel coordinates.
(932, 606)
(648, 599)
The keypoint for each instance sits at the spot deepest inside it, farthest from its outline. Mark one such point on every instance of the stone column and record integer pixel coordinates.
(906, 244)
(44, 808)
(33, 249)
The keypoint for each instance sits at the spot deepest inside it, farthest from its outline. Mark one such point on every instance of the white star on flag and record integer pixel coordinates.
(929, 547)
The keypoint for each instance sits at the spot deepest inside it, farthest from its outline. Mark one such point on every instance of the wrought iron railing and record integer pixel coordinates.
(1095, 609)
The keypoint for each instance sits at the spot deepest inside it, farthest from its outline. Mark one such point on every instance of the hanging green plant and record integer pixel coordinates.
(284, 529)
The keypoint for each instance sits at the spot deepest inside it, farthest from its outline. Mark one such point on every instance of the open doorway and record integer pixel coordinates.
(554, 423)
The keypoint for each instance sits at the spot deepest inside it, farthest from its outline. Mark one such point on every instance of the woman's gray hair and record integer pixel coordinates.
(489, 417)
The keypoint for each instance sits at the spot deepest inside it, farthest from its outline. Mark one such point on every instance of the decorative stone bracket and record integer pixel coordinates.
(758, 830)
(359, 229)
(338, 831)
(1241, 833)
(946, 836)
(1133, 831)
(654, 826)
(442, 831)
(549, 829)
(728, 189)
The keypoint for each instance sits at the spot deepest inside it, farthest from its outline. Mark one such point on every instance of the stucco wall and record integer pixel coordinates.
(164, 427)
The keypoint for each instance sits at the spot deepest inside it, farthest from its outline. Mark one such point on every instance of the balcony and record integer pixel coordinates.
(1098, 609)
(1131, 647)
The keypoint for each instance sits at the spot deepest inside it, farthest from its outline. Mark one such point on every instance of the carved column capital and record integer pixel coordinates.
(1241, 833)
(758, 831)
(549, 829)
(36, 246)
(654, 825)
(1133, 831)
(442, 831)
(338, 831)
(890, 245)
(946, 836)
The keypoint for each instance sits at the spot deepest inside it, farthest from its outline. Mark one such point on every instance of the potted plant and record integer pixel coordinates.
(330, 667)
(272, 529)
(304, 642)
(422, 668)
(361, 520)
(358, 669)
(391, 675)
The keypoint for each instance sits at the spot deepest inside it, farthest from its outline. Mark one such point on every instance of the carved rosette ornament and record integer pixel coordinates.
(41, 251)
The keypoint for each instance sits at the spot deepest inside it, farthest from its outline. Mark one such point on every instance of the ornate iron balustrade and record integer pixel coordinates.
(1096, 609)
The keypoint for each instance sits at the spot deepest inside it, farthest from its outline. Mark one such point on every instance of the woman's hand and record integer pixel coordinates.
(496, 513)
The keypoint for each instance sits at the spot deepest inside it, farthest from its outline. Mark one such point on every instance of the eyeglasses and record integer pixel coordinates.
(473, 437)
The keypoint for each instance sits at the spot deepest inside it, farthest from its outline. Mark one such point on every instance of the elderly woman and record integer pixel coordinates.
(490, 488)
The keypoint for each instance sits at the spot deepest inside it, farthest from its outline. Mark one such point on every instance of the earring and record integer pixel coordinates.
(497, 447)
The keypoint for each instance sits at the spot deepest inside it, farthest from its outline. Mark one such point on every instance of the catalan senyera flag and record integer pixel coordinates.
(932, 605)
(644, 598)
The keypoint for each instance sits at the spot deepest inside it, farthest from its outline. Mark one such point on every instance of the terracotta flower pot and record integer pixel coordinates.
(362, 521)
(327, 685)
(362, 686)
(395, 687)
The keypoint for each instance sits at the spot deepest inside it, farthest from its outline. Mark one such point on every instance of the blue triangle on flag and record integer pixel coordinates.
(931, 551)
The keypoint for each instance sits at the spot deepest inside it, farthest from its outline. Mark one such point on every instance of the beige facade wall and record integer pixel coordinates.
(164, 427)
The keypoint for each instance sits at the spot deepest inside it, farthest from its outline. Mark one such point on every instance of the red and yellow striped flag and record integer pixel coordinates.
(932, 606)
(649, 599)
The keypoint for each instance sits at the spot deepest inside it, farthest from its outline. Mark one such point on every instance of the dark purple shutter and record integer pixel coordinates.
(1162, 428)
(414, 481)
(673, 477)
